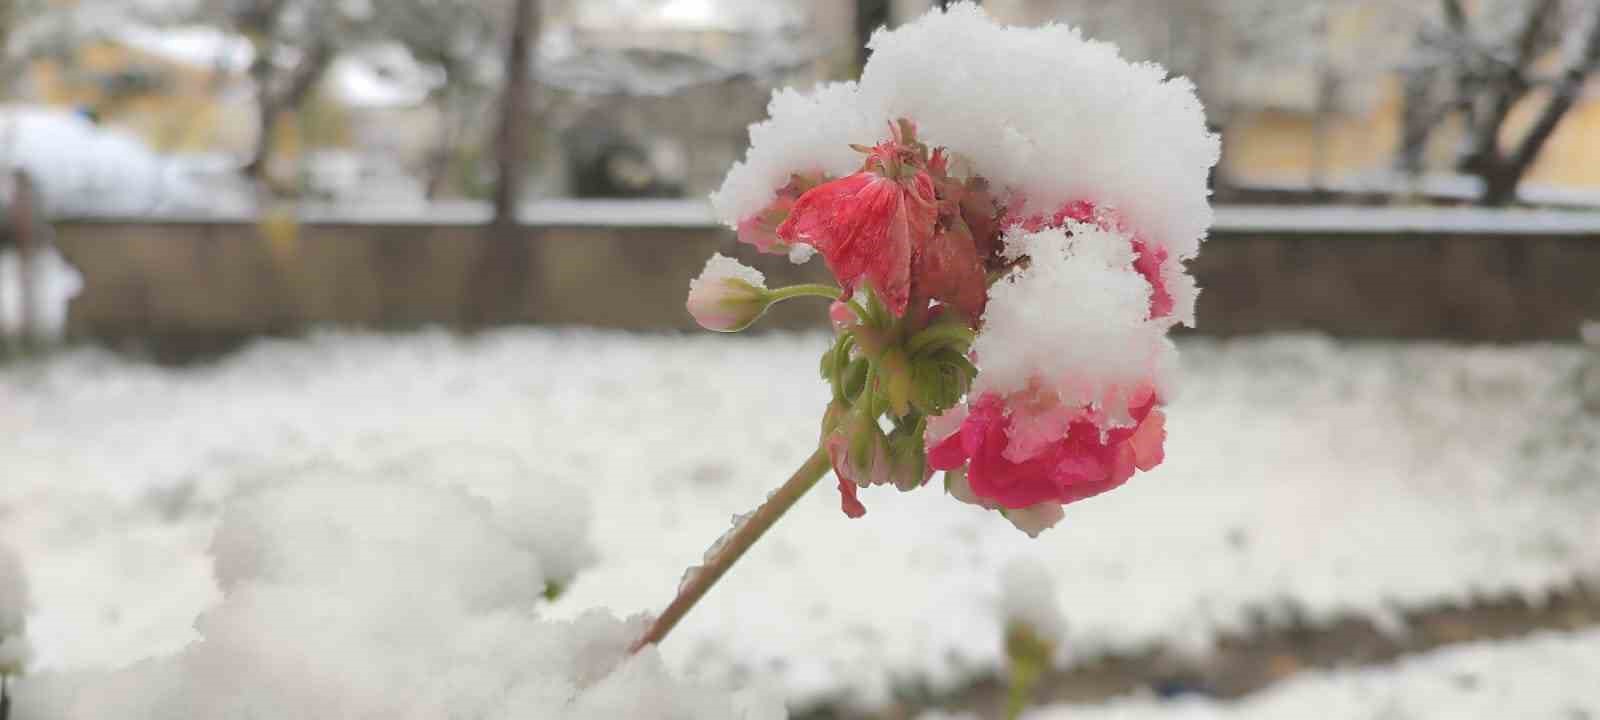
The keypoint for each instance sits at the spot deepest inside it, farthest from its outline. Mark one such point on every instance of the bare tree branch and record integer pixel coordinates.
(1563, 96)
(1533, 25)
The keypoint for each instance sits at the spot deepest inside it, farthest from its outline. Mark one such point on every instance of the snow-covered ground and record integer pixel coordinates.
(1304, 478)
(1542, 676)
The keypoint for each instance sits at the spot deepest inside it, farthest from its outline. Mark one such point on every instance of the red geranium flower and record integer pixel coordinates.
(1082, 463)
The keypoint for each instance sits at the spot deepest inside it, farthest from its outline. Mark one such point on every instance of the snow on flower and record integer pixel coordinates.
(1046, 116)
(1072, 365)
(728, 296)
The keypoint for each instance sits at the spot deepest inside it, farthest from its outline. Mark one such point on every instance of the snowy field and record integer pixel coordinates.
(1304, 478)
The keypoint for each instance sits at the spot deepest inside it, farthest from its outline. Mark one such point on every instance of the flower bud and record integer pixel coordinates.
(728, 296)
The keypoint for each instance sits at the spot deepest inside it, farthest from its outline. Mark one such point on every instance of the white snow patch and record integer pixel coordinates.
(1028, 595)
(382, 76)
(368, 599)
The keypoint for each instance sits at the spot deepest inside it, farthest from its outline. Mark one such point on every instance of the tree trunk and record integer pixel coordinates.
(508, 267)
(270, 105)
(511, 141)
(1499, 185)
(267, 120)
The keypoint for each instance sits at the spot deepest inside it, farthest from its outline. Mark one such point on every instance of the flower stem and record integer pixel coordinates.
(804, 290)
(740, 540)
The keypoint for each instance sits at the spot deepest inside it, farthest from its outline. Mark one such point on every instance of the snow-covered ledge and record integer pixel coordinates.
(1324, 219)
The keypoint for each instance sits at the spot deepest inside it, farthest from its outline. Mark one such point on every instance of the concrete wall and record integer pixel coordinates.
(187, 287)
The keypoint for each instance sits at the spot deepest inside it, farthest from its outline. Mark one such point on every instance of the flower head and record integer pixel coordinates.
(1072, 359)
(728, 296)
(1078, 463)
(1024, 249)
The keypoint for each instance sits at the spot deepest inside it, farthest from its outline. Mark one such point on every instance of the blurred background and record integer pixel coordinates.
(266, 127)
(243, 240)
(135, 132)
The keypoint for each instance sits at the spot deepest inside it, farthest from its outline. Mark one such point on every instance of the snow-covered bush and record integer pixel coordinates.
(82, 168)
(372, 599)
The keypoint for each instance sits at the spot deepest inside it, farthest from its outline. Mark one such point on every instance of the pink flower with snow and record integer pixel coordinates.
(1149, 258)
(1071, 355)
(1079, 463)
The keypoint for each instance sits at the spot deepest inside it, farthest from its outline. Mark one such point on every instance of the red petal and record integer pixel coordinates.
(866, 226)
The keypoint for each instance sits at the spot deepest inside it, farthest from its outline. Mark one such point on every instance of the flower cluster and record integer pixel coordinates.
(1008, 267)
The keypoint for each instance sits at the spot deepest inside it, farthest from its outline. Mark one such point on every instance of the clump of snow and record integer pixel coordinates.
(1044, 113)
(14, 605)
(55, 283)
(382, 76)
(198, 45)
(720, 268)
(1543, 676)
(805, 132)
(1076, 322)
(369, 599)
(1028, 595)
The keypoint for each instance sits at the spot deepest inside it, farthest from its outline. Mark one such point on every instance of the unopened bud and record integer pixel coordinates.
(728, 296)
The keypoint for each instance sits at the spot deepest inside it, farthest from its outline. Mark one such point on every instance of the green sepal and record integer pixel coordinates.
(854, 379)
(895, 371)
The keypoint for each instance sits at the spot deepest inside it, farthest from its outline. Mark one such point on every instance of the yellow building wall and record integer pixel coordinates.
(1285, 145)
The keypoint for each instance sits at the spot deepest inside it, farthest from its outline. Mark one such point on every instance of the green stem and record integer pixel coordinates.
(803, 290)
(734, 546)
(1020, 692)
